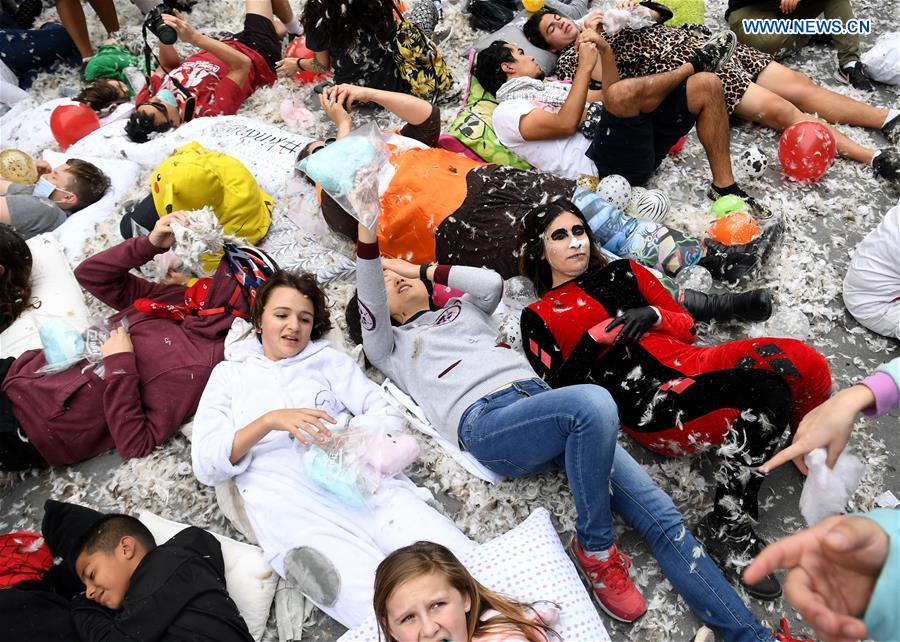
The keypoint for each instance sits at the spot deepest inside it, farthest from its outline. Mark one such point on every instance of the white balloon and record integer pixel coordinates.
(636, 193)
(752, 161)
(788, 322)
(653, 205)
(694, 277)
(615, 189)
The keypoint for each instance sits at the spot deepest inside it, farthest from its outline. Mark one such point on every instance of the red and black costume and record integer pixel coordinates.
(675, 397)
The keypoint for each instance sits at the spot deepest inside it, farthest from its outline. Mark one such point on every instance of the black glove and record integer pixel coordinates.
(635, 322)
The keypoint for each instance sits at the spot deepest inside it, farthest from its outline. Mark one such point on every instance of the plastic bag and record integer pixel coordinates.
(64, 345)
(827, 490)
(638, 17)
(349, 170)
(354, 461)
(883, 60)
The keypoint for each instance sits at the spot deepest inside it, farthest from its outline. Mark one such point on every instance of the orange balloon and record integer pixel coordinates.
(298, 49)
(71, 123)
(737, 228)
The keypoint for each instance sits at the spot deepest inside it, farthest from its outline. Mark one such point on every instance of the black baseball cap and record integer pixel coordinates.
(139, 218)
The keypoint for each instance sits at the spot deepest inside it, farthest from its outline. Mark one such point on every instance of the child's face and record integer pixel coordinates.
(428, 609)
(286, 323)
(106, 576)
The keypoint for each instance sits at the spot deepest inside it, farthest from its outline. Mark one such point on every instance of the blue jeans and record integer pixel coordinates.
(529, 428)
(29, 51)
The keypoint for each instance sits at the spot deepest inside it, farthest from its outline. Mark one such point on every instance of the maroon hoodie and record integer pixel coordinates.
(146, 395)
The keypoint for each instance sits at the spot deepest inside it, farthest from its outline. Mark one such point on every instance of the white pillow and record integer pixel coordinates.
(513, 34)
(79, 227)
(529, 564)
(27, 125)
(250, 580)
(54, 285)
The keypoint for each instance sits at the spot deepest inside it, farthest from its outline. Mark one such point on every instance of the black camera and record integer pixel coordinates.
(154, 22)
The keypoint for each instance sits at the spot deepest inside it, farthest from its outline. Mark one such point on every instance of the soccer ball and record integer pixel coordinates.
(752, 162)
(616, 190)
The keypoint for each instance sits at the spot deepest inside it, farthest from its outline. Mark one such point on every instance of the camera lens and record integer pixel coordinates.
(166, 34)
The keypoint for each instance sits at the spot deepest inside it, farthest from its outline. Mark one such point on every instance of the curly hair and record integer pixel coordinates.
(488, 67)
(15, 276)
(140, 125)
(531, 242)
(338, 25)
(306, 284)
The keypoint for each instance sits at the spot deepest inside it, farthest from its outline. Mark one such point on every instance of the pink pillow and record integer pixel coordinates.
(452, 144)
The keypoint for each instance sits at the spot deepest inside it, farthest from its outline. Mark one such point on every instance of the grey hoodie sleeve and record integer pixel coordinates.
(374, 315)
(483, 288)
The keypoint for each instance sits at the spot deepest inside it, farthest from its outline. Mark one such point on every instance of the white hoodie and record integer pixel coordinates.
(285, 508)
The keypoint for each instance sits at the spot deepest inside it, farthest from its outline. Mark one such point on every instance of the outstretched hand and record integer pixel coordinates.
(833, 570)
(828, 425)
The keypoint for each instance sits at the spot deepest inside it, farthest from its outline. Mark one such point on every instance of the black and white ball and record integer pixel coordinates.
(752, 162)
(653, 205)
(636, 193)
(616, 190)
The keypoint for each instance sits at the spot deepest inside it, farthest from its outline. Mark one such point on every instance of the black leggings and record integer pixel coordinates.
(746, 410)
(16, 452)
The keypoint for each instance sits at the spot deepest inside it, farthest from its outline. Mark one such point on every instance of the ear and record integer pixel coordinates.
(467, 603)
(70, 199)
(128, 547)
(2, 270)
(508, 67)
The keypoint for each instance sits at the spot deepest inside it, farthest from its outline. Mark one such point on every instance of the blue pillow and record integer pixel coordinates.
(334, 167)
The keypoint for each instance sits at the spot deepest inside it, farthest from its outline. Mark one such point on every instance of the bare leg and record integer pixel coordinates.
(759, 105)
(706, 99)
(283, 10)
(106, 11)
(809, 97)
(634, 96)
(259, 7)
(72, 17)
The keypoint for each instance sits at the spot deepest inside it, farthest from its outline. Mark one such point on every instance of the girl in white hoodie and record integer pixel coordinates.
(274, 396)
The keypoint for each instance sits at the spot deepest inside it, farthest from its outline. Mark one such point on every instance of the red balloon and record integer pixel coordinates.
(71, 123)
(298, 49)
(806, 151)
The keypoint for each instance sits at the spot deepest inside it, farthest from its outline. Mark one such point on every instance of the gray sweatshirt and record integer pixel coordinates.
(447, 359)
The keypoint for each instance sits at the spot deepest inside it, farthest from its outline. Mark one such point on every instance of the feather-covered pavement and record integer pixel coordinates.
(824, 221)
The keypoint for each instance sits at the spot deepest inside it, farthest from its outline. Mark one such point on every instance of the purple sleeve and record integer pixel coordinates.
(887, 394)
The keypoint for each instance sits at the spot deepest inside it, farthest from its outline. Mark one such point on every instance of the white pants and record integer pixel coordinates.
(398, 517)
(882, 317)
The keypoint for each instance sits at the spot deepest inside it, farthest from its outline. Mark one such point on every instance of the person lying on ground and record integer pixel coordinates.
(58, 193)
(757, 89)
(153, 371)
(279, 396)
(438, 205)
(214, 81)
(629, 133)
(15, 276)
(614, 324)
(114, 76)
(849, 68)
(355, 45)
(484, 396)
(872, 283)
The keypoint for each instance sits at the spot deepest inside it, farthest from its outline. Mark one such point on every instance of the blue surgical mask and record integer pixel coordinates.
(43, 188)
(167, 96)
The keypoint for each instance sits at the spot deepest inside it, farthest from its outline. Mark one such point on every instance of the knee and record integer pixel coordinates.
(621, 98)
(705, 84)
(782, 114)
(598, 407)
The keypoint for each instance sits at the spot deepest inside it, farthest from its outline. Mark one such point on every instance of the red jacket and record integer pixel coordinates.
(146, 395)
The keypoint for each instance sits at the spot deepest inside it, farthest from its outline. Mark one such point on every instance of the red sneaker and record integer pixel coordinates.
(611, 583)
(784, 635)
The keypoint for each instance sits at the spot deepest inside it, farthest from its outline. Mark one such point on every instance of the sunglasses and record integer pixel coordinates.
(161, 109)
(325, 143)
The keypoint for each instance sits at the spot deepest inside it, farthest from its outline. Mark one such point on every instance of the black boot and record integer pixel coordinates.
(753, 305)
(730, 267)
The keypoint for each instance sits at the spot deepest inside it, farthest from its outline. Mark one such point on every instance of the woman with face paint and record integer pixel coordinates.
(615, 324)
(483, 396)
